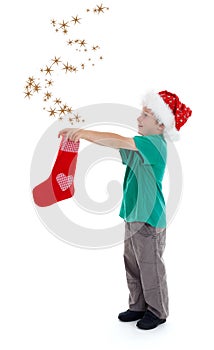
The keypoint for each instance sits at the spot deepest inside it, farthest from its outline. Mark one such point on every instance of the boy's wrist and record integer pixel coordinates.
(84, 134)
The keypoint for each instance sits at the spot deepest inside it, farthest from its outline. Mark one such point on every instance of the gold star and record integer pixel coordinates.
(50, 82)
(69, 110)
(47, 95)
(66, 67)
(57, 101)
(52, 111)
(82, 43)
(60, 118)
(56, 60)
(64, 24)
(31, 79)
(77, 117)
(28, 94)
(75, 69)
(70, 42)
(30, 84)
(75, 19)
(71, 68)
(94, 48)
(36, 87)
(53, 22)
(48, 70)
(100, 8)
(62, 110)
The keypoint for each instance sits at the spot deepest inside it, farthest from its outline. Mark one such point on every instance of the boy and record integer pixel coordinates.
(143, 205)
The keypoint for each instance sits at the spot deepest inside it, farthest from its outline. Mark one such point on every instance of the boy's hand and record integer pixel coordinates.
(73, 134)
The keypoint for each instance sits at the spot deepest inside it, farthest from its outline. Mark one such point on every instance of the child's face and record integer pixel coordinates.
(147, 123)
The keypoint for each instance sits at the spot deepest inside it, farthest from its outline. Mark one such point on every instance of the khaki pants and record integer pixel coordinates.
(145, 271)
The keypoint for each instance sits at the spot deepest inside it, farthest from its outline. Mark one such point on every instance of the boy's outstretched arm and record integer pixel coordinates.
(107, 139)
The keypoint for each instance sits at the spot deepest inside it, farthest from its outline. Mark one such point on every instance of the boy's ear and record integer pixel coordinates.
(161, 127)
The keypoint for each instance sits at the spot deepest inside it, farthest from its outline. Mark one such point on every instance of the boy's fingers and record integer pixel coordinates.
(62, 132)
(66, 133)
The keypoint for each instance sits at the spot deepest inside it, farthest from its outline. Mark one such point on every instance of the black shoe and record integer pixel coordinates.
(149, 321)
(130, 315)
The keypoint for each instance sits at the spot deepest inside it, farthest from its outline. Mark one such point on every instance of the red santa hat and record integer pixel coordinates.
(169, 110)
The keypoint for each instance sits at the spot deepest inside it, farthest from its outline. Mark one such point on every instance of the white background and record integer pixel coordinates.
(56, 296)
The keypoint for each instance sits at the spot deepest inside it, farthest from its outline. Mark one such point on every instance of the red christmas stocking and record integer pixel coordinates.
(60, 184)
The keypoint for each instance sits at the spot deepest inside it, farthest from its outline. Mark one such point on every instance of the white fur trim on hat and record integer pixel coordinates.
(163, 113)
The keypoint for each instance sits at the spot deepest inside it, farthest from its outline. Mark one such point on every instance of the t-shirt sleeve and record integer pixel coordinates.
(147, 148)
(124, 153)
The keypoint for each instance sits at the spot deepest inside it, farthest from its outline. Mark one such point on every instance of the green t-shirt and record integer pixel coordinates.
(143, 199)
